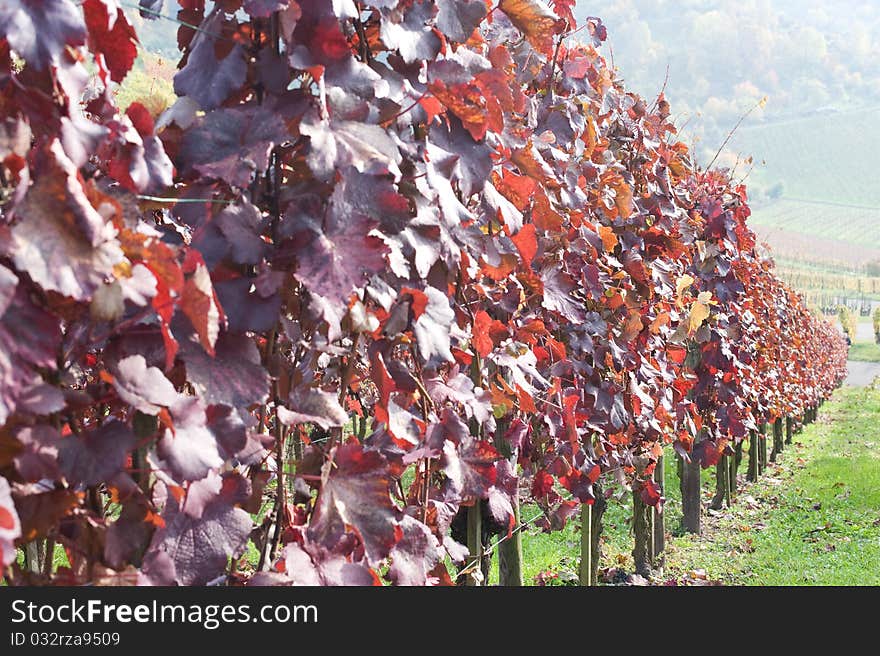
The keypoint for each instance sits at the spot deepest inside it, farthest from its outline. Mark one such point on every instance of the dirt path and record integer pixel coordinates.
(861, 374)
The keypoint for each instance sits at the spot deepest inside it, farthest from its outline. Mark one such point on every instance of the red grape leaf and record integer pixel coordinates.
(59, 239)
(526, 243)
(487, 331)
(199, 303)
(534, 19)
(111, 35)
(356, 495)
(190, 551)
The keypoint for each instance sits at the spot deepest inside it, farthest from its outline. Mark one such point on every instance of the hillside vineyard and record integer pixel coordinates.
(377, 265)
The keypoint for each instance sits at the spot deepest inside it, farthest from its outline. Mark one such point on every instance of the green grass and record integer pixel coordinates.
(864, 352)
(813, 518)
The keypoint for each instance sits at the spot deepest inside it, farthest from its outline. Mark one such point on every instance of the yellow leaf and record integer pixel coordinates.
(683, 283)
(699, 313)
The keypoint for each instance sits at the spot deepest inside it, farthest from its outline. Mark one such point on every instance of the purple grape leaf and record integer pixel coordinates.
(402, 424)
(356, 495)
(458, 19)
(205, 79)
(234, 376)
(240, 224)
(337, 144)
(8, 285)
(38, 458)
(96, 455)
(190, 451)
(190, 551)
(29, 338)
(40, 30)
(59, 239)
(409, 30)
(417, 553)
(145, 388)
(372, 196)
(199, 494)
(10, 526)
(334, 261)
(472, 159)
(41, 399)
(309, 564)
(130, 534)
(470, 470)
(558, 287)
(315, 406)
(450, 427)
(233, 144)
(150, 9)
(246, 310)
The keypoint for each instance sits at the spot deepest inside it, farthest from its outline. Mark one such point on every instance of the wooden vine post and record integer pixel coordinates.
(735, 460)
(777, 439)
(722, 483)
(752, 474)
(510, 553)
(510, 549)
(763, 449)
(643, 534)
(658, 528)
(474, 544)
(585, 569)
(689, 476)
(789, 429)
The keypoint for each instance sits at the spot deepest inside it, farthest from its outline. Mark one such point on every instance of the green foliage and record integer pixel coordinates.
(847, 321)
(149, 83)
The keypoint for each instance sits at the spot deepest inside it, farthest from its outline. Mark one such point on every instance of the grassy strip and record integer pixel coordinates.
(864, 352)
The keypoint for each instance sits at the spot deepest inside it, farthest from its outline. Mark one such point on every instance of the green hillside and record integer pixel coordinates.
(815, 191)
